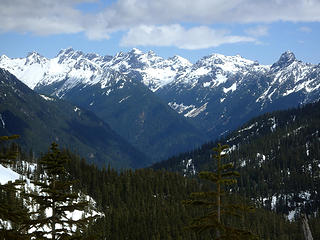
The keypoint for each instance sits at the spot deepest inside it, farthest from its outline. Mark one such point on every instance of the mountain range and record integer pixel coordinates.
(135, 109)
(40, 120)
(166, 106)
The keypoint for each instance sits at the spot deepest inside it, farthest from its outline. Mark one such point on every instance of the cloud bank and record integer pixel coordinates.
(148, 22)
(175, 35)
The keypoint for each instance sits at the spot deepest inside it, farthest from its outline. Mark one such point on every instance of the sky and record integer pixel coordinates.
(255, 29)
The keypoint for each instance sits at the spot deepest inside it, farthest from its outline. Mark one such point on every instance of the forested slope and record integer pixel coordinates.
(278, 156)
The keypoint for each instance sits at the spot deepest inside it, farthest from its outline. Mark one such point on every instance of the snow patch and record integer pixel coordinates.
(248, 128)
(291, 215)
(189, 167)
(261, 158)
(2, 121)
(46, 97)
(229, 150)
(123, 99)
(180, 108)
(206, 84)
(107, 92)
(308, 148)
(6, 175)
(196, 111)
(201, 71)
(273, 122)
(155, 78)
(295, 131)
(220, 78)
(232, 88)
(243, 163)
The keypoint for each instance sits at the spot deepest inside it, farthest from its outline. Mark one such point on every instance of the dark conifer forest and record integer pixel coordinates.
(148, 204)
(276, 157)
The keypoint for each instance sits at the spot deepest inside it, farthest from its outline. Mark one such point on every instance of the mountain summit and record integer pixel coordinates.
(285, 60)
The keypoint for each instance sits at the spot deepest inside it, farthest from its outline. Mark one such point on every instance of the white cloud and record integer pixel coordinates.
(137, 12)
(44, 17)
(305, 29)
(41, 17)
(175, 35)
(257, 31)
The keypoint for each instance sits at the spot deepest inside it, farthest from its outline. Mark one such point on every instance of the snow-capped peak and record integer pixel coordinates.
(287, 56)
(151, 53)
(4, 57)
(136, 51)
(231, 64)
(286, 59)
(71, 68)
(180, 60)
(154, 70)
(69, 55)
(65, 51)
(34, 57)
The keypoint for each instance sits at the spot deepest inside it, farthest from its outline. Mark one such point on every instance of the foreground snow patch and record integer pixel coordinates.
(6, 175)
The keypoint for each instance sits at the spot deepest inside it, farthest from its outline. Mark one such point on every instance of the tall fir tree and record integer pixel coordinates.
(217, 216)
(57, 197)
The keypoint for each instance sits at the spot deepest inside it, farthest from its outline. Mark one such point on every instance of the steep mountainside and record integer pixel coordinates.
(121, 100)
(138, 116)
(216, 94)
(40, 120)
(220, 93)
(278, 156)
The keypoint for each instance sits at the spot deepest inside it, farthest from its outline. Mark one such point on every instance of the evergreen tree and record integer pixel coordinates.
(56, 199)
(13, 216)
(212, 200)
(7, 156)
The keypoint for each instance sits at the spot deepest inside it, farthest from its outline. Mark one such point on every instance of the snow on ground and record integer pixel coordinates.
(46, 97)
(220, 78)
(274, 124)
(6, 175)
(295, 206)
(232, 88)
(189, 167)
(291, 215)
(2, 122)
(124, 99)
(196, 111)
(261, 157)
(229, 150)
(248, 128)
(180, 108)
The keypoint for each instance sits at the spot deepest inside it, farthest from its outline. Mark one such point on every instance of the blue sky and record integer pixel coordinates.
(256, 29)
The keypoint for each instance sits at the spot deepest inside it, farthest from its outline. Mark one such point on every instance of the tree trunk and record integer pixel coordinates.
(218, 209)
(306, 228)
(218, 192)
(53, 226)
(53, 221)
